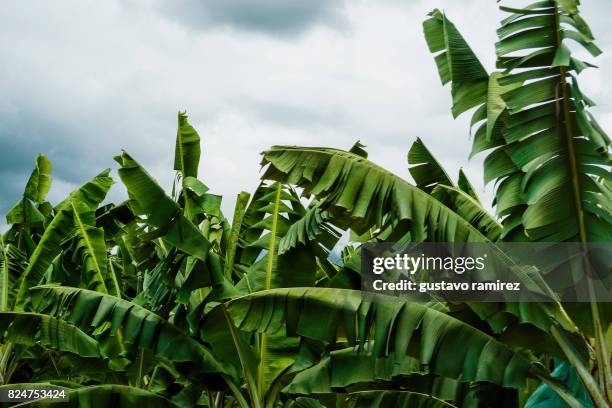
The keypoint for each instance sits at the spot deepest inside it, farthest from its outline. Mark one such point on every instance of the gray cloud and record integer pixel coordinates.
(21, 139)
(273, 17)
(89, 78)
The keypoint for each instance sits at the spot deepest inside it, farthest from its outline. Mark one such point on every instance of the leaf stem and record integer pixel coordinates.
(241, 202)
(236, 392)
(250, 381)
(139, 374)
(5, 279)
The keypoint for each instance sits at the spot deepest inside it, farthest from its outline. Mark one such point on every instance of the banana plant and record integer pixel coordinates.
(163, 301)
(255, 312)
(545, 147)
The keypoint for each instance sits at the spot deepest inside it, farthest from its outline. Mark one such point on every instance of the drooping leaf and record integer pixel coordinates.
(351, 368)
(59, 229)
(140, 328)
(442, 344)
(38, 329)
(456, 63)
(160, 210)
(313, 227)
(358, 194)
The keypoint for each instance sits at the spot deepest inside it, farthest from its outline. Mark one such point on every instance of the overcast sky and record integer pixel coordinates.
(81, 80)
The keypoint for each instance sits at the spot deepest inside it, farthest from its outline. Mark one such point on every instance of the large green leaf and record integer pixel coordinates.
(38, 329)
(558, 149)
(37, 187)
(89, 195)
(313, 228)
(442, 344)
(351, 368)
(268, 218)
(358, 194)
(495, 103)
(273, 270)
(102, 315)
(12, 264)
(187, 159)
(160, 210)
(228, 343)
(187, 150)
(456, 63)
(278, 353)
(92, 249)
(39, 183)
(26, 213)
(562, 153)
(548, 149)
(239, 211)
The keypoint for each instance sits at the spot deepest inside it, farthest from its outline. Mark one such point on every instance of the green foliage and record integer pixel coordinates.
(105, 396)
(163, 301)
